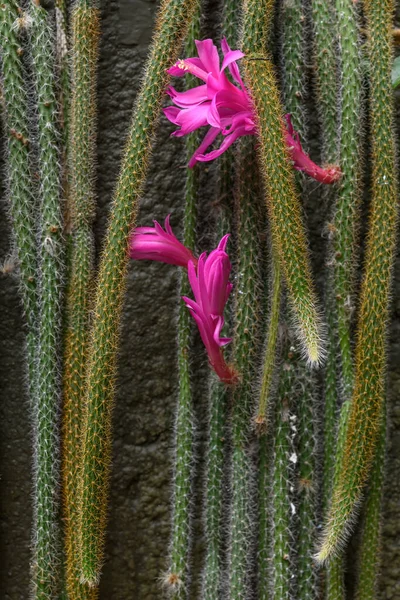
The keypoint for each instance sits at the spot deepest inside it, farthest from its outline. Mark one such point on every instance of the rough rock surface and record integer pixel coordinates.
(143, 417)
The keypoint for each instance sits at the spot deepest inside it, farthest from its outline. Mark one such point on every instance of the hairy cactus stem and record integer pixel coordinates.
(173, 20)
(85, 38)
(46, 535)
(183, 443)
(19, 174)
(370, 357)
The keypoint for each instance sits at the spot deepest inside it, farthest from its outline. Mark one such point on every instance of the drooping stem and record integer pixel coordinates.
(46, 541)
(370, 546)
(20, 177)
(85, 37)
(173, 20)
(370, 357)
(288, 235)
(176, 578)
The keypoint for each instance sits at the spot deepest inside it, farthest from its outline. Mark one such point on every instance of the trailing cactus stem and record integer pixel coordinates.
(370, 357)
(176, 578)
(369, 553)
(214, 489)
(173, 20)
(265, 520)
(247, 321)
(288, 235)
(19, 180)
(281, 482)
(326, 76)
(46, 536)
(269, 361)
(347, 207)
(85, 37)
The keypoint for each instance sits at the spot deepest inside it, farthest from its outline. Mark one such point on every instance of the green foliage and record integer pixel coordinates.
(396, 72)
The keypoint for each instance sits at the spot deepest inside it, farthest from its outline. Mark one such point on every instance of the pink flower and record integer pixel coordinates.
(153, 243)
(226, 108)
(217, 103)
(211, 289)
(302, 162)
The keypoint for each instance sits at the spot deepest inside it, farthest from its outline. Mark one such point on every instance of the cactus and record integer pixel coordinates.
(245, 346)
(85, 36)
(265, 519)
(281, 482)
(369, 552)
(288, 235)
(173, 20)
(46, 540)
(214, 493)
(20, 181)
(370, 358)
(269, 361)
(176, 578)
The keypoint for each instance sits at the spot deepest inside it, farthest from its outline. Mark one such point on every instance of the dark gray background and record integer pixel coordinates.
(143, 416)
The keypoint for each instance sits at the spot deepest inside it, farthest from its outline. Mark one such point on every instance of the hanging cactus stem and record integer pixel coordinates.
(370, 356)
(173, 20)
(85, 37)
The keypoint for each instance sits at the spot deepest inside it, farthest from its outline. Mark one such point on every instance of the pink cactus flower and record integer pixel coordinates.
(218, 103)
(153, 243)
(226, 108)
(302, 162)
(211, 289)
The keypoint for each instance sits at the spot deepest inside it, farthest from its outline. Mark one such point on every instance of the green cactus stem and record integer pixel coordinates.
(264, 556)
(46, 535)
(288, 235)
(214, 490)
(20, 180)
(176, 578)
(326, 76)
(281, 481)
(85, 38)
(269, 362)
(245, 348)
(173, 20)
(370, 358)
(370, 546)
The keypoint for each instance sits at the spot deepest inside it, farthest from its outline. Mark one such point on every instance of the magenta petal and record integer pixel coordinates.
(223, 242)
(192, 118)
(228, 141)
(171, 112)
(233, 68)
(213, 117)
(207, 141)
(230, 57)
(195, 95)
(208, 55)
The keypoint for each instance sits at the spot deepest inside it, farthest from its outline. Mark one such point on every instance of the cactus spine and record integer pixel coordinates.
(85, 37)
(176, 579)
(370, 359)
(288, 235)
(369, 556)
(46, 561)
(173, 19)
(20, 186)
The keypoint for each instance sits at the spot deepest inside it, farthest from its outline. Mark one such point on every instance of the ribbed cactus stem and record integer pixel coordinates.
(369, 553)
(269, 360)
(214, 489)
(173, 19)
(370, 357)
(177, 575)
(288, 235)
(347, 207)
(85, 37)
(19, 175)
(245, 347)
(326, 76)
(46, 535)
(264, 556)
(281, 481)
